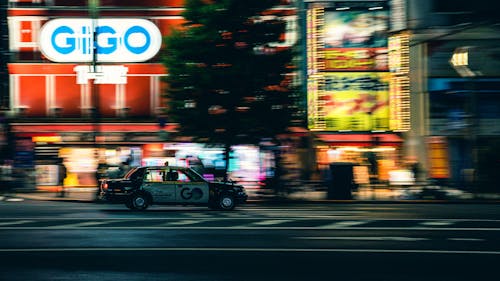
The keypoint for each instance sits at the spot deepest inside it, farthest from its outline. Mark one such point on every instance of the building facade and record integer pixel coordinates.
(357, 86)
(455, 103)
(88, 109)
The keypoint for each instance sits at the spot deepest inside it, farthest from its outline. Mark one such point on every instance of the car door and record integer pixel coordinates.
(190, 188)
(161, 189)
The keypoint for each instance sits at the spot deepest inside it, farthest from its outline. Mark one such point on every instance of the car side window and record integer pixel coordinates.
(183, 177)
(171, 175)
(154, 176)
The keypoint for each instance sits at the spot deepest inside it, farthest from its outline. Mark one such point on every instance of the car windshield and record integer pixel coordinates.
(193, 176)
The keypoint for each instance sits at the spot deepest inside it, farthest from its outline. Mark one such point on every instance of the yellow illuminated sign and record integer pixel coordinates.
(357, 101)
(355, 59)
(46, 139)
(399, 91)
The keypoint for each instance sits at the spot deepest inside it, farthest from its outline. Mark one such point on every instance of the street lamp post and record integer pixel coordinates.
(93, 6)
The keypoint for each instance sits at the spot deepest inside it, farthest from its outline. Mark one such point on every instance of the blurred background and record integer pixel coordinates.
(404, 92)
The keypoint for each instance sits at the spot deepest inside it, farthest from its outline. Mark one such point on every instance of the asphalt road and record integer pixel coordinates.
(85, 241)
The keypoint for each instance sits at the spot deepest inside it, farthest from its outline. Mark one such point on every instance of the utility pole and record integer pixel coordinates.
(93, 6)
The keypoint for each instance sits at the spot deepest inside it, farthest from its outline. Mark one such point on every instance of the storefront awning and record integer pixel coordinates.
(33, 129)
(360, 139)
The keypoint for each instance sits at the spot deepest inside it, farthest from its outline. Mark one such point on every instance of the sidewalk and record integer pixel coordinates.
(73, 194)
(363, 194)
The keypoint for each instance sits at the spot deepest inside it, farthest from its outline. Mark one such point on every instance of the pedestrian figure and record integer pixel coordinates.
(415, 168)
(62, 175)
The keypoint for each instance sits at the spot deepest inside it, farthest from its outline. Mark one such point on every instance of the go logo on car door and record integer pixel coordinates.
(191, 193)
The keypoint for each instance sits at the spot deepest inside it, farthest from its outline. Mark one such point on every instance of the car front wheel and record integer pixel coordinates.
(138, 201)
(226, 202)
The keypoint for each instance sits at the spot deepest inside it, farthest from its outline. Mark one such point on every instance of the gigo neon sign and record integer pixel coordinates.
(117, 40)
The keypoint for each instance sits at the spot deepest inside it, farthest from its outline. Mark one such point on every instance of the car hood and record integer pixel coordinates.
(227, 185)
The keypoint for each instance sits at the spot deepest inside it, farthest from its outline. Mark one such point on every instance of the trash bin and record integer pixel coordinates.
(342, 181)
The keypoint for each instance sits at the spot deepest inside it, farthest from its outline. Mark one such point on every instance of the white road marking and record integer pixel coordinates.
(183, 222)
(301, 210)
(300, 250)
(199, 215)
(437, 223)
(466, 239)
(14, 199)
(363, 238)
(81, 224)
(15, 222)
(270, 222)
(342, 224)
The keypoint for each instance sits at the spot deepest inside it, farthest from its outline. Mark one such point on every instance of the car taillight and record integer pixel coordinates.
(104, 186)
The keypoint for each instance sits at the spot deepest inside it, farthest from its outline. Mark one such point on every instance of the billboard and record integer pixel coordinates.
(355, 40)
(354, 101)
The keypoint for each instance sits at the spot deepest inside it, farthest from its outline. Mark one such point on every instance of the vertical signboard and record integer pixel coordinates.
(399, 91)
(348, 69)
(438, 158)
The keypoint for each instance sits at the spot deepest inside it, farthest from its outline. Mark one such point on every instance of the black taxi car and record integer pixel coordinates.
(144, 186)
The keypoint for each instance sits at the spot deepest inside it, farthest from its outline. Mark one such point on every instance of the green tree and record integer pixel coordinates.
(227, 80)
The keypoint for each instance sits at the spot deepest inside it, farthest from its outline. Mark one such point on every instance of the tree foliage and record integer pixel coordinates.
(227, 80)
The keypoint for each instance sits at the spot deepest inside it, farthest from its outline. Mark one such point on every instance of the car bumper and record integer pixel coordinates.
(113, 197)
(240, 198)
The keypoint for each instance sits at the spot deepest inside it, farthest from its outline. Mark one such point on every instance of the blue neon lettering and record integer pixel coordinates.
(137, 29)
(70, 41)
(108, 37)
(112, 42)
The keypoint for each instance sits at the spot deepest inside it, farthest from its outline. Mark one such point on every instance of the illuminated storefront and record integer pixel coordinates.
(66, 104)
(357, 85)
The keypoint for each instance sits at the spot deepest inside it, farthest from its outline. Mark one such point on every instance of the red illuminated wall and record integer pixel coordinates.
(39, 88)
(68, 96)
(45, 88)
(33, 96)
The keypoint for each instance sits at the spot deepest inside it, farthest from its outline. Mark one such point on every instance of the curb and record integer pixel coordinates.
(31, 196)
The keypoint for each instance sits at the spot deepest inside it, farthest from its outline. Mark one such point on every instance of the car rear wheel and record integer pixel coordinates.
(138, 201)
(226, 202)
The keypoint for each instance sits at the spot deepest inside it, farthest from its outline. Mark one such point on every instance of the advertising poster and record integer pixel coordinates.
(357, 101)
(47, 175)
(356, 40)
